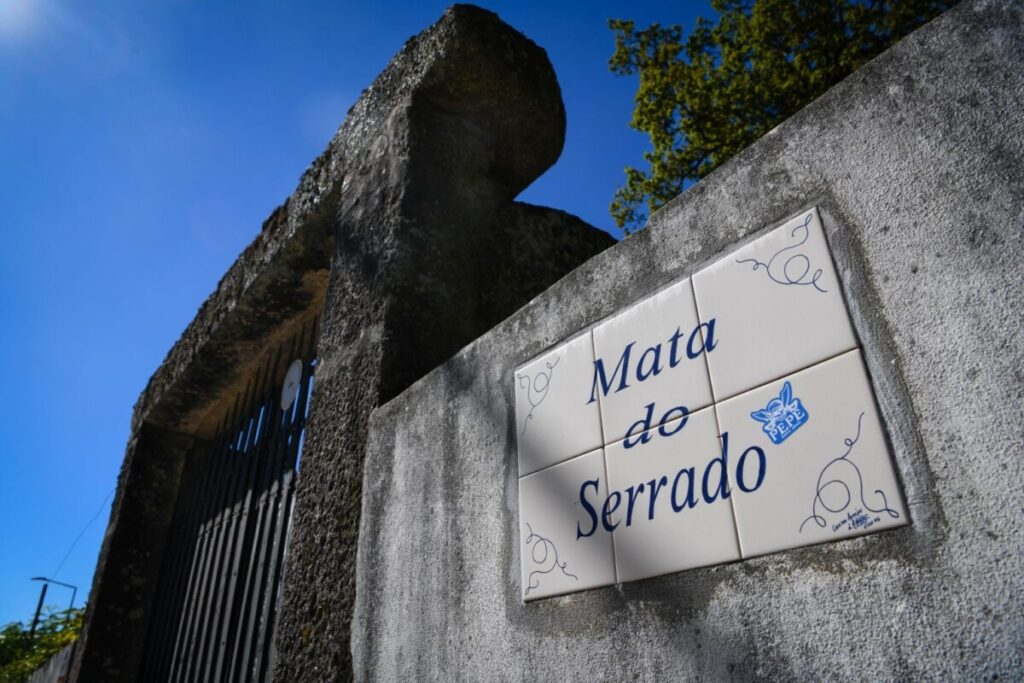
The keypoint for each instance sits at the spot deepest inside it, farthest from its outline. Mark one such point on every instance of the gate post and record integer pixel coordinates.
(430, 252)
(411, 209)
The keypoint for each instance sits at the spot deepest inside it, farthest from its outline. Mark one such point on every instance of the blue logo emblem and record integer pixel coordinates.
(782, 416)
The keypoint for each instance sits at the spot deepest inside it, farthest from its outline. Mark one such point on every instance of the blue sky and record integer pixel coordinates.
(142, 144)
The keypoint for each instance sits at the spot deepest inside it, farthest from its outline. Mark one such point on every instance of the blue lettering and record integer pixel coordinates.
(608, 509)
(632, 501)
(673, 357)
(644, 424)
(655, 352)
(723, 463)
(600, 375)
(589, 508)
(691, 500)
(654, 486)
(714, 487)
(761, 465)
(684, 415)
(707, 341)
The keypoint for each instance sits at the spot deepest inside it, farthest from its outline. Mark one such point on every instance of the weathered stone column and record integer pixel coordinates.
(430, 251)
(411, 208)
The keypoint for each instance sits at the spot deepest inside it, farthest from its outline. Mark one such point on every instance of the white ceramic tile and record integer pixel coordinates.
(829, 475)
(777, 307)
(556, 558)
(650, 358)
(677, 527)
(554, 418)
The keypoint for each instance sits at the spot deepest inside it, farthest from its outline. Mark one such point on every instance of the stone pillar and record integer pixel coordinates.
(110, 646)
(430, 251)
(411, 207)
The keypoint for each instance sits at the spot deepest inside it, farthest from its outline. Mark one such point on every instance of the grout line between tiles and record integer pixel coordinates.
(804, 368)
(732, 499)
(604, 460)
(718, 424)
(561, 462)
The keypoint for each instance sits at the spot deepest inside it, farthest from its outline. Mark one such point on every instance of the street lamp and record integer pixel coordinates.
(42, 596)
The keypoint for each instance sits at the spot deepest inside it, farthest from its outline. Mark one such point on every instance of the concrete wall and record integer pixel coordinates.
(56, 668)
(916, 165)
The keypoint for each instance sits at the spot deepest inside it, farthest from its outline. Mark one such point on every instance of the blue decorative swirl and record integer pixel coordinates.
(544, 554)
(794, 268)
(536, 389)
(840, 486)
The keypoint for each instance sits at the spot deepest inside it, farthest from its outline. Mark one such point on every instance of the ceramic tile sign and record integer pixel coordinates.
(656, 351)
(777, 305)
(829, 474)
(669, 520)
(555, 420)
(728, 416)
(554, 561)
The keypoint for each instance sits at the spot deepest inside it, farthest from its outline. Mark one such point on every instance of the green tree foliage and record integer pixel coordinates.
(21, 654)
(704, 97)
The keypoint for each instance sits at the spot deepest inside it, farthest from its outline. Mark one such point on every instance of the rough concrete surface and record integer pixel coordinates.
(56, 667)
(423, 174)
(916, 164)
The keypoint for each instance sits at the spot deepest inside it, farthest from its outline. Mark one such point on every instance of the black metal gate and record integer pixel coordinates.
(213, 617)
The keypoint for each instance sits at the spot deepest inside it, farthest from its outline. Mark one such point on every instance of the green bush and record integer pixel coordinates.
(21, 654)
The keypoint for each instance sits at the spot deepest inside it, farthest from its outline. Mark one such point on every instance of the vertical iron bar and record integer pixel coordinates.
(214, 613)
(240, 463)
(212, 470)
(216, 536)
(240, 523)
(190, 546)
(206, 541)
(288, 499)
(243, 635)
(261, 549)
(240, 629)
(284, 472)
